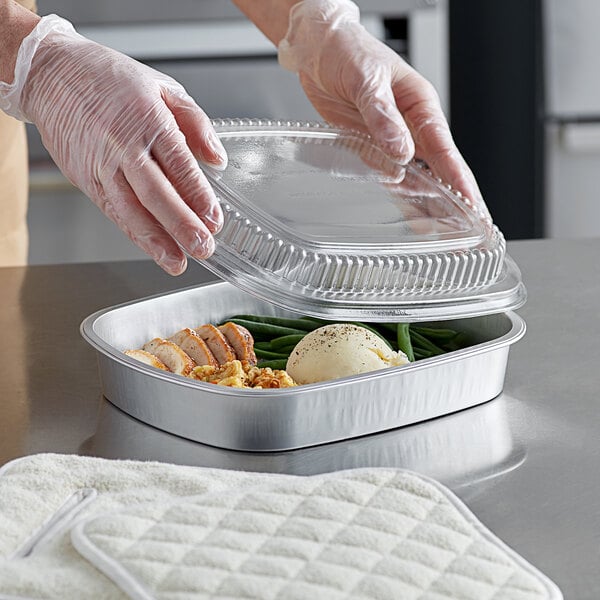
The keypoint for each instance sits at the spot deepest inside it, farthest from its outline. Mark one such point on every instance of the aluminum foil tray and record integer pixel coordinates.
(284, 419)
(459, 449)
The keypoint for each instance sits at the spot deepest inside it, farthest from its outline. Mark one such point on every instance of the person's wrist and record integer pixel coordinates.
(327, 11)
(310, 23)
(16, 23)
(13, 95)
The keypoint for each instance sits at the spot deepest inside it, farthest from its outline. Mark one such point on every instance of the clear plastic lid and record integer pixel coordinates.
(321, 222)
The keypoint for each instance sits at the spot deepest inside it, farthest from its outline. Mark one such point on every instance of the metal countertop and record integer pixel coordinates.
(526, 463)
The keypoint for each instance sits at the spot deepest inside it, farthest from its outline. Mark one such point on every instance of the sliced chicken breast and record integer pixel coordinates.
(217, 342)
(147, 358)
(172, 355)
(193, 345)
(241, 341)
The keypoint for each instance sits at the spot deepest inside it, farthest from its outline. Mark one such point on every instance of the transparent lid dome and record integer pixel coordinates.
(321, 222)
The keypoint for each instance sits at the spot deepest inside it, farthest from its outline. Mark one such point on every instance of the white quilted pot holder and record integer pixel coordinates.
(366, 534)
(42, 496)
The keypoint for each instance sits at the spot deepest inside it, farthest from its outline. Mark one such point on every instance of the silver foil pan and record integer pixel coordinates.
(457, 450)
(271, 420)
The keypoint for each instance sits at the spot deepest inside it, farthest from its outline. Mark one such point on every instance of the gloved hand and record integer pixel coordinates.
(126, 135)
(356, 81)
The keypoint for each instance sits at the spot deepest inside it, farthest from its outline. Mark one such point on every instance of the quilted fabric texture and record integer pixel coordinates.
(35, 488)
(372, 534)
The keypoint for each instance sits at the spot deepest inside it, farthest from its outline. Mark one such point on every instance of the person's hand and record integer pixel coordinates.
(356, 81)
(128, 136)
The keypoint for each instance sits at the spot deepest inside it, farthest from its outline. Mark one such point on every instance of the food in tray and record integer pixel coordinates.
(217, 342)
(222, 355)
(171, 355)
(276, 337)
(253, 351)
(195, 347)
(339, 350)
(147, 358)
(242, 374)
(241, 341)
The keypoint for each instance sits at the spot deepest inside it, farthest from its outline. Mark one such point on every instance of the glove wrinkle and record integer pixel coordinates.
(119, 131)
(356, 81)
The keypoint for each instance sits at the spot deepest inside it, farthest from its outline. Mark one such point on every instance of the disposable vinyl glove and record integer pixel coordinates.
(356, 81)
(128, 136)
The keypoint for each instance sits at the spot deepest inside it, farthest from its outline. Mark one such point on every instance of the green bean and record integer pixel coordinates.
(460, 341)
(300, 323)
(276, 337)
(431, 333)
(263, 346)
(419, 341)
(421, 354)
(316, 320)
(403, 339)
(447, 339)
(286, 350)
(266, 330)
(268, 354)
(274, 364)
(279, 343)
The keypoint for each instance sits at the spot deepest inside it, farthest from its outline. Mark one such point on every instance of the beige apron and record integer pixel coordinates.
(13, 186)
(14, 369)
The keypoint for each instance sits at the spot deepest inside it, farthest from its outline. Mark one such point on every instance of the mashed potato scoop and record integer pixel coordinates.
(339, 350)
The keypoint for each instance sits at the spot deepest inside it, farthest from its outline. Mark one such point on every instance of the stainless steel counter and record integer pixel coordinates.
(526, 463)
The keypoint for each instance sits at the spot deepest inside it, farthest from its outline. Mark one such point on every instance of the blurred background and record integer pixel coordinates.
(517, 79)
